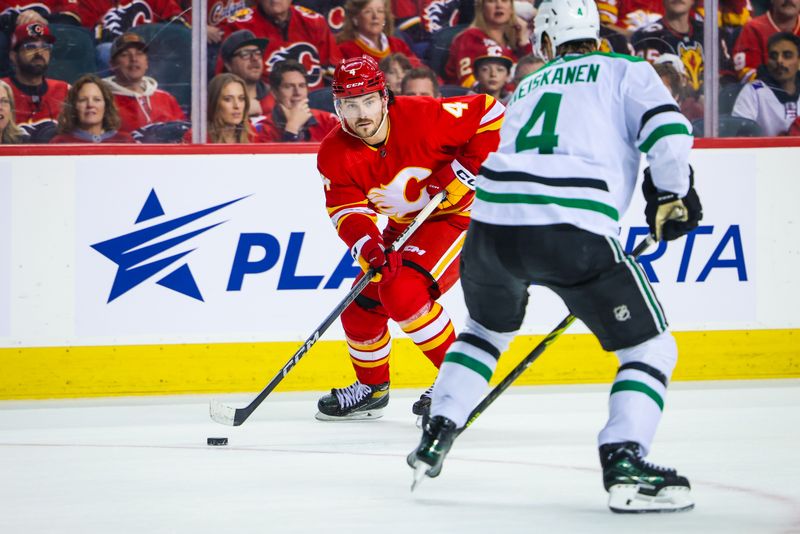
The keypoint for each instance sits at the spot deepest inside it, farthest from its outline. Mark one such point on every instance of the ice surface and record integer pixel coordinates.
(529, 464)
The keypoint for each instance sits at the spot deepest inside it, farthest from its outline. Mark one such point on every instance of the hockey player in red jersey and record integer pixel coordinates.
(389, 156)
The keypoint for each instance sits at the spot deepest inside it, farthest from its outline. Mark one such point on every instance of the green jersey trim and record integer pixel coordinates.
(663, 131)
(522, 198)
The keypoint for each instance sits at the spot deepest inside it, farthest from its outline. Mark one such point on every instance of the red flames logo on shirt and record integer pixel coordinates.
(336, 18)
(304, 53)
(403, 195)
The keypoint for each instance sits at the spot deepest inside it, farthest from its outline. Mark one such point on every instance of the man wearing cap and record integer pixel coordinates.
(294, 33)
(243, 55)
(139, 100)
(38, 99)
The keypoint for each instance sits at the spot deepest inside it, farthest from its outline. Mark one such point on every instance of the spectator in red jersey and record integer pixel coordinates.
(291, 119)
(628, 16)
(38, 98)
(421, 81)
(44, 11)
(111, 18)
(228, 109)
(89, 114)
(368, 29)
(497, 26)
(10, 133)
(394, 68)
(293, 33)
(773, 98)
(139, 100)
(243, 55)
(492, 75)
(750, 50)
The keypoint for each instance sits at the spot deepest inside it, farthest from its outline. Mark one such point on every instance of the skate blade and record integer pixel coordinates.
(627, 499)
(420, 472)
(356, 416)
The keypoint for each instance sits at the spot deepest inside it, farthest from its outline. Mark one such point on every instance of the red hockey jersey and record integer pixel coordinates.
(307, 39)
(750, 50)
(38, 107)
(359, 47)
(425, 136)
(630, 14)
(111, 18)
(44, 7)
(470, 44)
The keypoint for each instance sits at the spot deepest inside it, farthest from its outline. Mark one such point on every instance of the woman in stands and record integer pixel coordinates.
(89, 114)
(10, 133)
(368, 29)
(495, 24)
(228, 111)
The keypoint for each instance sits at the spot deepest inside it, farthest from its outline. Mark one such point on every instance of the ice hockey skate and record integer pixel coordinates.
(437, 438)
(357, 401)
(637, 486)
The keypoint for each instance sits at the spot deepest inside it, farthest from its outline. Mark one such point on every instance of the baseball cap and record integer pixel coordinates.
(127, 40)
(673, 60)
(238, 39)
(35, 31)
(493, 52)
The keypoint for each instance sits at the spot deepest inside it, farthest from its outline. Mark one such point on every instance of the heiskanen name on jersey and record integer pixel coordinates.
(570, 185)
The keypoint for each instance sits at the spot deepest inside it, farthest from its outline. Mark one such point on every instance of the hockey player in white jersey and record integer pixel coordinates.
(547, 211)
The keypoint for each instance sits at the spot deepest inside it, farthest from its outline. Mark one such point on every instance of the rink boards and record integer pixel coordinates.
(147, 272)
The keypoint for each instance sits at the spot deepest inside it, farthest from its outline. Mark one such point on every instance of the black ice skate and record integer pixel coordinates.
(437, 438)
(637, 486)
(422, 407)
(358, 401)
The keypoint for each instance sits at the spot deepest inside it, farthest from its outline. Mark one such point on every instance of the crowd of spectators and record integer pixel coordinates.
(270, 61)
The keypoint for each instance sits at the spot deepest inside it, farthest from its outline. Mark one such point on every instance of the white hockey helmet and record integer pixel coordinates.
(564, 21)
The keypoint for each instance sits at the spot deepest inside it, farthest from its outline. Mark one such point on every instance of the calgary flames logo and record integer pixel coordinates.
(122, 18)
(403, 195)
(304, 53)
(692, 58)
(35, 30)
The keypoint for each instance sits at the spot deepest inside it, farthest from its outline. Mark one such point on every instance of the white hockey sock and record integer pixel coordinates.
(465, 373)
(639, 389)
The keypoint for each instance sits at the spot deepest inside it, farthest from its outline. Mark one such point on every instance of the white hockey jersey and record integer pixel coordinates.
(570, 145)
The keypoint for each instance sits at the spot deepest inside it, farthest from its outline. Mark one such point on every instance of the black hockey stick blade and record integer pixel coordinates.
(228, 415)
(526, 362)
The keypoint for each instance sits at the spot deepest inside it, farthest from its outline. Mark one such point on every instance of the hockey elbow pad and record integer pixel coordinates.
(668, 215)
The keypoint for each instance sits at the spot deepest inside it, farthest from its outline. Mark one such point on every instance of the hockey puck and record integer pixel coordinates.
(217, 441)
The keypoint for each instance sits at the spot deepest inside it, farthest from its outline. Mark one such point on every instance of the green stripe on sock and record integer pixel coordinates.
(521, 198)
(632, 385)
(471, 363)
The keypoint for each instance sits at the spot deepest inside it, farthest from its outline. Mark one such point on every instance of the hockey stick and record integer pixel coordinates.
(228, 415)
(536, 352)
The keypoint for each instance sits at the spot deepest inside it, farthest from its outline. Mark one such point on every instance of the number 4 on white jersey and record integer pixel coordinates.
(456, 109)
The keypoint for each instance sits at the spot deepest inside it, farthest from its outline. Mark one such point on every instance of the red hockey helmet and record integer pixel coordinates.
(357, 76)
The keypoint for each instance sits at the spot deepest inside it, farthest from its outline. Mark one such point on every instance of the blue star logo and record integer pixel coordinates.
(131, 252)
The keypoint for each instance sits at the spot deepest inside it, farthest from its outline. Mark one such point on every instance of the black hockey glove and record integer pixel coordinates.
(668, 216)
